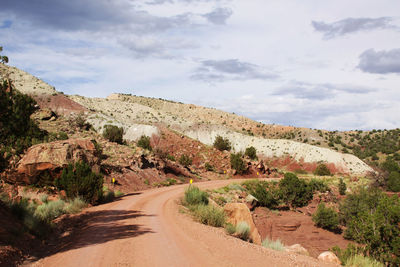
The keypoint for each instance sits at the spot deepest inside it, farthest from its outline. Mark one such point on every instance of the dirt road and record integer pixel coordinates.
(148, 229)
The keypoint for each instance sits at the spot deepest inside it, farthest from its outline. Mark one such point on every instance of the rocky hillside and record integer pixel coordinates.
(144, 116)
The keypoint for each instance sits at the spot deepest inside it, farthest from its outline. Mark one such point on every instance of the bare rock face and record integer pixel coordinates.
(328, 256)
(51, 157)
(238, 212)
(298, 249)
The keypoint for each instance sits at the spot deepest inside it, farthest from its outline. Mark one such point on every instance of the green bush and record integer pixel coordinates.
(372, 218)
(171, 157)
(322, 170)
(113, 133)
(144, 142)
(318, 185)
(393, 182)
(345, 254)
(275, 245)
(237, 163)
(209, 215)
(243, 230)
(294, 192)
(342, 187)
(222, 144)
(251, 152)
(79, 180)
(194, 196)
(185, 160)
(326, 218)
(267, 198)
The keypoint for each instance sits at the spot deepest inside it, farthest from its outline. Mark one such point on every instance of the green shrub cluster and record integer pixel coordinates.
(372, 218)
(144, 142)
(222, 144)
(113, 133)
(291, 190)
(251, 152)
(209, 214)
(322, 170)
(326, 218)
(237, 163)
(185, 160)
(392, 174)
(79, 180)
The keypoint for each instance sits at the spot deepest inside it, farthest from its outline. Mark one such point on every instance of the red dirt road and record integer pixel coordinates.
(147, 229)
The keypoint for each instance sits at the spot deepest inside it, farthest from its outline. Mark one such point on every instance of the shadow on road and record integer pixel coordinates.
(92, 228)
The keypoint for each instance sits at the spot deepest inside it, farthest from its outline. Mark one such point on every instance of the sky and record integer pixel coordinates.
(331, 65)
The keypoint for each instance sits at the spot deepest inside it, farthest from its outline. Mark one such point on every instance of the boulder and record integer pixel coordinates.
(298, 249)
(49, 159)
(238, 212)
(46, 114)
(328, 256)
(251, 202)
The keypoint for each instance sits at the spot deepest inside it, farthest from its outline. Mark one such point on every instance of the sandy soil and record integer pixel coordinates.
(148, 229)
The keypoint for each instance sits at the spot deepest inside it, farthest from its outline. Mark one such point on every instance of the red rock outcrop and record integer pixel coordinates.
(50, 158)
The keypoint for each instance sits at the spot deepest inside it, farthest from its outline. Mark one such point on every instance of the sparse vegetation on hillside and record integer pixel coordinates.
(185, 160)
(222, 144)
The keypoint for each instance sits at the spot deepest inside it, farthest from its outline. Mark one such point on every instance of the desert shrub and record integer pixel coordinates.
(50, 210)
(342, 187)
(185, 160)
(209, 215)
(120, 194)
(362, 261)
(81, 123)
(113, 133)
(275, 245)
(194, 196)
(44, 198)
(230, 228)
(318, 185)
(251, 152)
(144, 142)
(345, 254)
(62, 136)
(222, 144)
(322, 170)
(266, 197)
(75, 206)
(326, 218)
(372, 218)
(390, 165)
(209, 167)
(97, 147)
(107, 196)
(294, 192)
(237, 163)
(79, 180)
(393, 182)
(243, 230)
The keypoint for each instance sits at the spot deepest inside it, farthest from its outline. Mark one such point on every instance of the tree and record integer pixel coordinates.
(342, 187)
(294, 191)
(251, 152)
(237, 163)
(222, 144)
(322, 170)
(3, 59)
(326, 218)
(144, 142)
(113, 133)
(79, 180)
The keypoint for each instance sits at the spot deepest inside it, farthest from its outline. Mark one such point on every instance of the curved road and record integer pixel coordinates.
(148, 229)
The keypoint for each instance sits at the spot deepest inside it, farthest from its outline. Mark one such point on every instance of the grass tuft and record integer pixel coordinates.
(208, 214)
(194, 196)
(362, 261)
(243, 230)
(275, 245)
